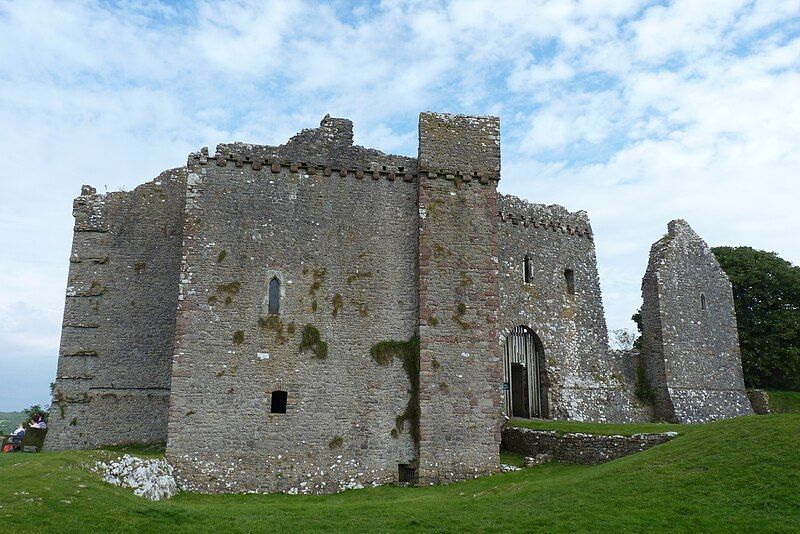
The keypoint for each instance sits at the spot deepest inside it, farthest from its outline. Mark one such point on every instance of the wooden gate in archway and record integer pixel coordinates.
(524, 375)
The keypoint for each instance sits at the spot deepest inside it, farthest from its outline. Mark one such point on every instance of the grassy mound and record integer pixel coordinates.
(784, 401)
(737, 475)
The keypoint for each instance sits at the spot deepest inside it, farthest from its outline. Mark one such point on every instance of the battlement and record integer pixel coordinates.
(553, 217)
(329, 145)
(241, 158)
(459, 144)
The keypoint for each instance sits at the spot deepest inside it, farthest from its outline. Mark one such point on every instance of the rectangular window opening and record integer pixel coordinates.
(569, 276)
(406, 474)
(278, 402)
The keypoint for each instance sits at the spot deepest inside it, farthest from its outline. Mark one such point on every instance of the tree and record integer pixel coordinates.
(766, 294)
(623, 339)
(33, 410)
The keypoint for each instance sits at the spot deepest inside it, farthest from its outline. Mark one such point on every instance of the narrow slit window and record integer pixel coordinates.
(526, 269)
(569, 277)
(278, 404)
(702, 301)
(274, 304)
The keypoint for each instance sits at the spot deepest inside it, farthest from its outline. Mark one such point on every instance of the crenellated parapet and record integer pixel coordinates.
(552, 218)
(373, 170)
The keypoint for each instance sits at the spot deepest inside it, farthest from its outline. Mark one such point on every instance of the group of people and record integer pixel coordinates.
(37, 421)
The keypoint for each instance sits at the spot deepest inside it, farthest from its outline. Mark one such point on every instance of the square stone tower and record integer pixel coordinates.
(460, 370)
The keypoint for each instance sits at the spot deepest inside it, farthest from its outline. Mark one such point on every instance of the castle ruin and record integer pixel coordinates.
(319, 316)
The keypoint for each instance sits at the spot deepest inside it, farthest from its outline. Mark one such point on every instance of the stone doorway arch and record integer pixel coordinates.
(524, 375)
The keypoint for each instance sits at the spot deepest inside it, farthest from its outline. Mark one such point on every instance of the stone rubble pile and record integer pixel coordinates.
(151, 479)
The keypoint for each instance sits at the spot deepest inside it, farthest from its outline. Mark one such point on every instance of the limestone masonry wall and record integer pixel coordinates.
(584, 381)
(319, 316)
(460, 373)
(576, 447)
(690, 342)
(113, 379)
(343, 245)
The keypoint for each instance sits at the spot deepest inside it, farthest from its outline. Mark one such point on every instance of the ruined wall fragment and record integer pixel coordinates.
(112, 383)
(690, 342)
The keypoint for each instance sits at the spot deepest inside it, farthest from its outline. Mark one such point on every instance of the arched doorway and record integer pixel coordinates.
(524, 375)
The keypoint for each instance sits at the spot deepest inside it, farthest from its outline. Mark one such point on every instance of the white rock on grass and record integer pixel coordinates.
(151, 479)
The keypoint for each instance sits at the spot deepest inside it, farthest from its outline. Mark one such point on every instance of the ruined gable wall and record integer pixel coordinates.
(342, 239)
(113, 377)
(698, 362)
(586, 381)
(458, 249)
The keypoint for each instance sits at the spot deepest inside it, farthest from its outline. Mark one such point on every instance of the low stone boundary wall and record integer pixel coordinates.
(759, 400)
(578, 448)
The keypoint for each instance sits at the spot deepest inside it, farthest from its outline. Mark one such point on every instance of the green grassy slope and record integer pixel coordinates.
(737, 475)
(784, 401)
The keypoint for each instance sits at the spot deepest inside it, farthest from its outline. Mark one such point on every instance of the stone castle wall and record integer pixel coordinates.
(584, 381)
(342, 239)
(113, 378)
(460, 372)
(690, 341)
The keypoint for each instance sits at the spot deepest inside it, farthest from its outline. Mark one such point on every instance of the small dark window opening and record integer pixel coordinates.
(702, 301)
(278, 404)
(406, 473)
(569, 276)
(274, 296)
(526, 268)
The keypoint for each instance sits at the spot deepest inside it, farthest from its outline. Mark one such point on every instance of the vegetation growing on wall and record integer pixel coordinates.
(358, 276)
(408, 353)
(458, 317)
(272, 323)
(221, 256)
(229, 290)
(312, 340)
(643, 390)
(336, 442)
(238, 337)
(338, 302)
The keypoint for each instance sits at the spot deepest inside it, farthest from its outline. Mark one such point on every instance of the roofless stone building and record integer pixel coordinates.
(318, 316)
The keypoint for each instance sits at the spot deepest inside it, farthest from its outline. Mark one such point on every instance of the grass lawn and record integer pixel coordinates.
(784, 401)
(732, 476)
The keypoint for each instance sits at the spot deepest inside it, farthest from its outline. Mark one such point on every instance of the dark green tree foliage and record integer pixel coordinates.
(766, 294)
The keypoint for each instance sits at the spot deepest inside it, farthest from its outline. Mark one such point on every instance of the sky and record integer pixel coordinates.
(637, 112)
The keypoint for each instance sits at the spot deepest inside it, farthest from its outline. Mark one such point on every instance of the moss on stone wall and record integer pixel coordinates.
(458, 317)
(274, 325)
(312, 340)
(358, 276)
(338, 302)
(238, 337)
(229, 290)
(221, 256)
(408, 353)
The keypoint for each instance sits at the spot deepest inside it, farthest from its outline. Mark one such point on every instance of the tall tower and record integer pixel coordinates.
(460, 372)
